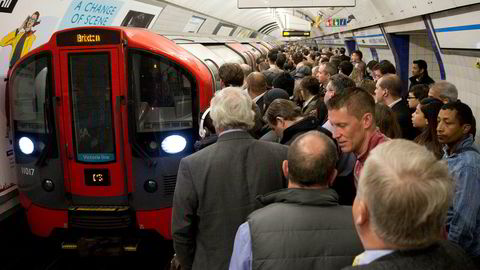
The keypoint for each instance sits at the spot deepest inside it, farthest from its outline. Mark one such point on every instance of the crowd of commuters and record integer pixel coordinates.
(318, 160)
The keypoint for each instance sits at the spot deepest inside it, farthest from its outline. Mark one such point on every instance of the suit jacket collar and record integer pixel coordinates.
(234, 135)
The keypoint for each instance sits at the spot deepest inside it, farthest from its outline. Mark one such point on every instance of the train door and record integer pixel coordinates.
(92, 126)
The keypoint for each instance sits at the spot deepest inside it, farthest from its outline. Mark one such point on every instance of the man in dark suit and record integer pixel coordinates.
(257, 86)
(310, 89)
(401, 208)
(389, 92)
(216, 187)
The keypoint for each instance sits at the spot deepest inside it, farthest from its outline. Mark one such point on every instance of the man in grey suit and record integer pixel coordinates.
(217, 186)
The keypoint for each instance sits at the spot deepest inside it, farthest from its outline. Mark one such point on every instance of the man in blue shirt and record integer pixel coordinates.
(456, 130)
(303, 226)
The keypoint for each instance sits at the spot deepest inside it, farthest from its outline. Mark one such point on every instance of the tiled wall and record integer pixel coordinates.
(367, 54)
(461, 71)
(386, 54)
(383, 54)
(421, 48)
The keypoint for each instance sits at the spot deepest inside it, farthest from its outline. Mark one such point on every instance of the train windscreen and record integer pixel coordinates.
(162, 93)
(31, 111)
(91, 95)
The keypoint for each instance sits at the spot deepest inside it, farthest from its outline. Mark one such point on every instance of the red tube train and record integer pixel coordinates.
(100, 118)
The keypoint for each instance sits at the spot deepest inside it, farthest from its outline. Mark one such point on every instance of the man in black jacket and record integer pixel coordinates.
(302, 227)
(420, 74)
(389, 92)
(400, 211)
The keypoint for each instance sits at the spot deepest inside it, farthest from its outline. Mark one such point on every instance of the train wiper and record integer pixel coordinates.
(41, 161)
(131, 137)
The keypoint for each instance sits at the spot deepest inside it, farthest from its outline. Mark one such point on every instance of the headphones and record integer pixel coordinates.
(202, 131)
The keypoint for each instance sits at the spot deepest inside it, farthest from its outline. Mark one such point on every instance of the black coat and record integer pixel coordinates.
(216, 191)
(423, 80)
(303, 229)
(404, 118)
(306, 124)
(440, 256)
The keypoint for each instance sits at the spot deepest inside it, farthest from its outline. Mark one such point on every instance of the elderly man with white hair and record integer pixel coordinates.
(401, 209)
(443, 91)
(216, 187)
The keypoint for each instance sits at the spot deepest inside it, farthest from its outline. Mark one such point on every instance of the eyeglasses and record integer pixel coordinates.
(409, 97)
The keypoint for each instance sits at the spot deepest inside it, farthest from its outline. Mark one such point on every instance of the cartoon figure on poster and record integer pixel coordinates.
(22, 38)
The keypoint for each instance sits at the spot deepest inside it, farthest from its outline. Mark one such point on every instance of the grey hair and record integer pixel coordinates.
(446, 90)
(407, 198)
(231, 108)
(340, 82)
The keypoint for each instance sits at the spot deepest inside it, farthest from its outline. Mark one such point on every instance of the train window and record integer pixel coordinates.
(33, 120)
(91, 95)
(256, 52)
(228, 55)
(212, 60)
(163, 93)
(211, 65)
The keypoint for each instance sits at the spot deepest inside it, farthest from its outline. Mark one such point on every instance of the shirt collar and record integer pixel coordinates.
(230, 131)
(305, 104)
(376, 137)
(395, 102)
(258, 97)
(369, 256)
(465, 142)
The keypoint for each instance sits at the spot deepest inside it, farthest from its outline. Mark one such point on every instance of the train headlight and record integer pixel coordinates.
(150, 186)
(174, 144)
(48, 185)
(26, 145)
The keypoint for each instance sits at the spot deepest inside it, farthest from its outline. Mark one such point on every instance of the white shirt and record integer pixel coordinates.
(369, 256)
(258, 97)
(305, 104)
(395, 102)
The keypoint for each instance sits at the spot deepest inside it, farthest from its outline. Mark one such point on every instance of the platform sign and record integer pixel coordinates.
(294, 3)
(295, 33)
(370, 37)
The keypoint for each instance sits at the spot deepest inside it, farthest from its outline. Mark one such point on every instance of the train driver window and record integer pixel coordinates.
(31, 112)
(162, 91)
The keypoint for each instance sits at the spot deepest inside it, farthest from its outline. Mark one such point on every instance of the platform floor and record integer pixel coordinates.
(19, 249)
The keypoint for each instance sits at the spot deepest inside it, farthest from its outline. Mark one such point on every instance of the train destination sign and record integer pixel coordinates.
(88, 37)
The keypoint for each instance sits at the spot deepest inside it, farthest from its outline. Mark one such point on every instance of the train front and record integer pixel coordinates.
(101, 118)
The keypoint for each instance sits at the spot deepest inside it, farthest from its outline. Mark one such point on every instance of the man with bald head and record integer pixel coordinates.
(257, 86)
(310, 236)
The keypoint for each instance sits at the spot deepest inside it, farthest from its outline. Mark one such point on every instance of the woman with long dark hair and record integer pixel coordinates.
(425, 119)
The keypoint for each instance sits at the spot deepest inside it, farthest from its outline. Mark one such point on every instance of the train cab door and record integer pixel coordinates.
(92, 126)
